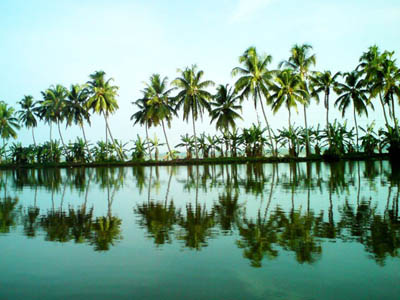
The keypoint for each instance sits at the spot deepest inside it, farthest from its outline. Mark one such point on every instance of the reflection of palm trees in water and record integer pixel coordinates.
(8, 208)
(106, 229)
(196, 225)
(159, 218)
(81, 221)
(31, 219)
(258, 236)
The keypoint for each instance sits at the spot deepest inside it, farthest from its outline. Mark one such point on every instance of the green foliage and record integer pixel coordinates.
(339, 140)
(139, 151)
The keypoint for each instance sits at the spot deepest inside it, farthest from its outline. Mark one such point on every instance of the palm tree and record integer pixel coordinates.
(353, 92)
(28, 114)
(193, 96)
(75, 108)
(141, 117)
(287, 90)
(8, 123)
(225, 109)
(254, 81)
(386, 84)
(102, 99)
(371, 65)
(301, 61)
(160, 103)
(323, 82)
(53, 106)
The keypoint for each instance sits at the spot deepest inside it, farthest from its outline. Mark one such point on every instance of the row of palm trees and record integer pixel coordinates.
(294, 85)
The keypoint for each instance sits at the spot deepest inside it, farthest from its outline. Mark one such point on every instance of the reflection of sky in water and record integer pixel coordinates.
(341, 266)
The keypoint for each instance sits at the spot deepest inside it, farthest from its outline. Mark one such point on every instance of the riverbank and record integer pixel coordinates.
(193, 161)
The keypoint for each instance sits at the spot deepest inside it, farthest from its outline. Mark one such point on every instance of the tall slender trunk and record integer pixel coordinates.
(195, 138)
(327, 116)
(106, 138)
(394, 117)
(86, 143)
(165, 135)
(51, 142)
(62, 140)
(305, 124)
(33, 137)
(112, 139)
(4, 149)
(355, 122)
(267, 123)
(148, 141)
(291, 146)
(384, 110)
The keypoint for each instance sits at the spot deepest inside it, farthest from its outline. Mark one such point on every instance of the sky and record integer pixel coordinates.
(46, 42)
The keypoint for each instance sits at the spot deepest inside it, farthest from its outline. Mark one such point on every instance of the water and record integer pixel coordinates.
(286, 231)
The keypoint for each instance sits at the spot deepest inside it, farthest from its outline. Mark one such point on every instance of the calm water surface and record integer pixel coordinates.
(287, 231)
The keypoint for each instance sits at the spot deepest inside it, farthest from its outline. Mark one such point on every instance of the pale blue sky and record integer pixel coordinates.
(51, 42)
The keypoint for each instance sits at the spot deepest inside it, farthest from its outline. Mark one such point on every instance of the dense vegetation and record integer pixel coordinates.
(294, 85)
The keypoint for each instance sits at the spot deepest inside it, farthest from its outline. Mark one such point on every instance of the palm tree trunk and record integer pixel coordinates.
(355, 122)
(86, 143)
(290, 131)
(384, 110)
(195, 138)
(4, 149)
(266, 121)
(165, 135)
(33, 136)
(62, 140)
(51, 144)
(112, 139)
(327, 116)
(307, 137)
(148, 141)
(394, 116)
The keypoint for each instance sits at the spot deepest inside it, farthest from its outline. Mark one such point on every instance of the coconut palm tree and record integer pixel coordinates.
(225, 107)
(141, 117)
(193, 96)
(102, 99)
(254, 81)
(301, 61)
(75, 108)
(323, 82)
(386, 84)
(287, 90)
(53, 106)
(354, 92)
(8, 123)
(28, 114)
(160, 103)
(370, 66)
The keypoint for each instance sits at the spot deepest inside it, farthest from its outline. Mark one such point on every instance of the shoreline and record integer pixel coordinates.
(200, 161)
